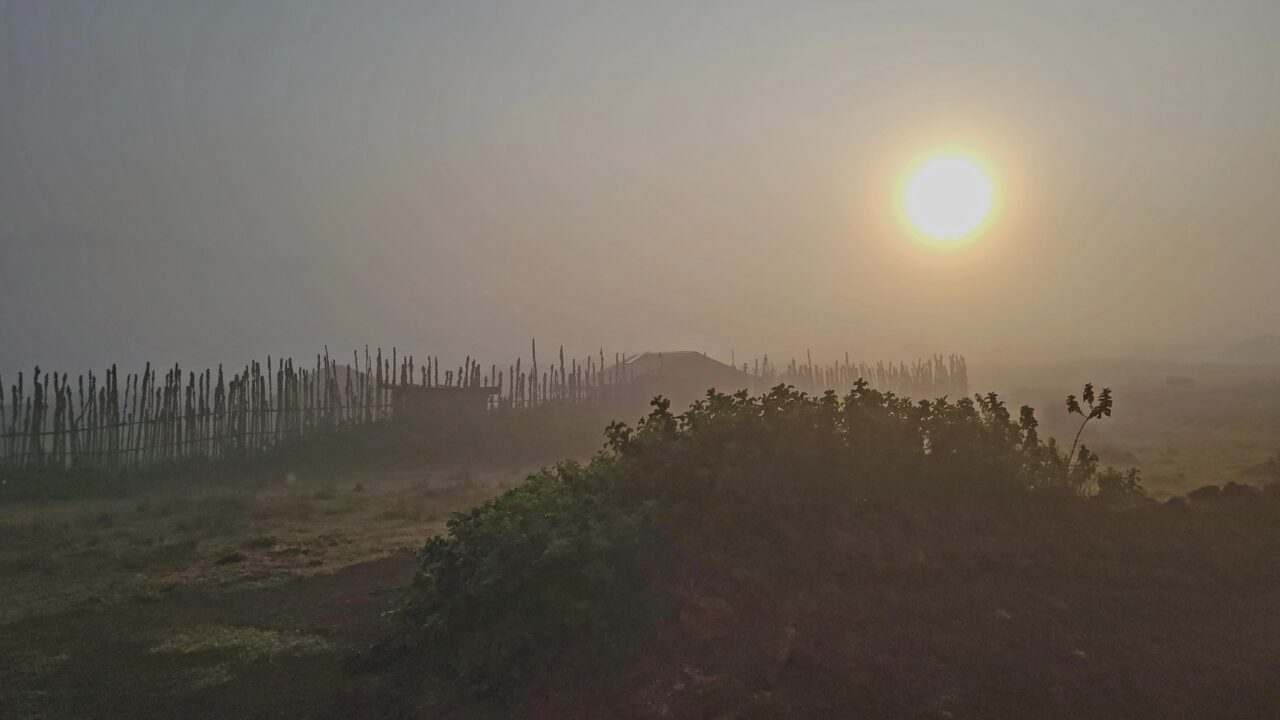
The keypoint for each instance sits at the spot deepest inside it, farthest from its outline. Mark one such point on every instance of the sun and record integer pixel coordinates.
(948, 197)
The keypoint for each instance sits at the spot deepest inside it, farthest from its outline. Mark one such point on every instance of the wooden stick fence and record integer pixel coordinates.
(153, 417)
(926, 378)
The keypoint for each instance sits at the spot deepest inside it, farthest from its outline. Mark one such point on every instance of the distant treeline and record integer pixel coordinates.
(168, 415)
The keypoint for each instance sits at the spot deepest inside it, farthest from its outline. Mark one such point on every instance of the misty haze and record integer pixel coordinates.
(639, 360)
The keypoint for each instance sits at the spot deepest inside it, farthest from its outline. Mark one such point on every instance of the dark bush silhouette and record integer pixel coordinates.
(764, 488)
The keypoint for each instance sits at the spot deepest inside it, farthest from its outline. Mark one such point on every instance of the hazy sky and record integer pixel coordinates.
(211, 180)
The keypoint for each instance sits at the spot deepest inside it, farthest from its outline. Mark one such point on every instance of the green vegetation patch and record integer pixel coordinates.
(245, 643)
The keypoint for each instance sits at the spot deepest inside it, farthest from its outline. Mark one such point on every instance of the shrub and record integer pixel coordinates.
(585, 556)
(522, 576)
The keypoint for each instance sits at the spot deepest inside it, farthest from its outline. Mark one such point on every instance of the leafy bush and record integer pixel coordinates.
(523, 575)
(584, 556)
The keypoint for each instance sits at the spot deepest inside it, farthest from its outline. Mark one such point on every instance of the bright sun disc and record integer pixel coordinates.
(948, 198)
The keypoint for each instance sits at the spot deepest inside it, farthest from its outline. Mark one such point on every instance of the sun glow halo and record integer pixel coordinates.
(948, 197)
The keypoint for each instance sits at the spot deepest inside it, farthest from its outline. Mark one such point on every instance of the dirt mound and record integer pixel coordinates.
(680, 376)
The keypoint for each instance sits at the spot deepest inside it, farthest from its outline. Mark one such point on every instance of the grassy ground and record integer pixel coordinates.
(1214, 433)
(237, 598)
(1222, 429)
(57, 554)
(248, 651)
